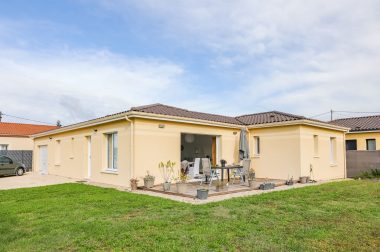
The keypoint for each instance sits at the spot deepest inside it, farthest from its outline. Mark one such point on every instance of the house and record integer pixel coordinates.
(364, 132)
(115, 148)
(15, 136)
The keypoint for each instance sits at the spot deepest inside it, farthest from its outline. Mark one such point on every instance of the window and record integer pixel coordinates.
(72, 148)
(351, 145)
(371, 144)
(333, 150)
(256, 140)
(58, 152)
(3, 146)
(112, 149)
(5, 160)
(316, 146)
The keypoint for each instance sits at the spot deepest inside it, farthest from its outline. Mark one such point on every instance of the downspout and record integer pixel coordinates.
(345, 155)
(132, 151)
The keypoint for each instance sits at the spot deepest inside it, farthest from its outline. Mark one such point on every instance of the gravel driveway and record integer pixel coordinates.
(30, 179)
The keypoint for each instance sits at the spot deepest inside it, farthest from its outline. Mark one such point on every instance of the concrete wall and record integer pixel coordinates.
(17, 143)
(361, 139)
(69, 158)
(321, 163)
(361, 161)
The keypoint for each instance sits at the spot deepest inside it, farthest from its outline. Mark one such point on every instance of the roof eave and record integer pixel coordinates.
(300, 122)
(136, 114)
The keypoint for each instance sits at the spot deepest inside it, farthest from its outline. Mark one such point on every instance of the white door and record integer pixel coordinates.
(89, 157)
(43, 159)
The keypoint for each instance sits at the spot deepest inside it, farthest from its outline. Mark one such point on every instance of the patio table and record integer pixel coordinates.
(228, 167)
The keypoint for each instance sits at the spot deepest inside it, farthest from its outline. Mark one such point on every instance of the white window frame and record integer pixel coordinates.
(2, 146)
(256, 146)
(333, 150)
(367, 143)
(316, 145)
(58, 152)
(112, 162)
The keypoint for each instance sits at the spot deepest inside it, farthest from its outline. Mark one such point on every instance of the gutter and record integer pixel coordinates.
(132, 152)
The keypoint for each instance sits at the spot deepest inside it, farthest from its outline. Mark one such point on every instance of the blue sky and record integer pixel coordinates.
(76, 60)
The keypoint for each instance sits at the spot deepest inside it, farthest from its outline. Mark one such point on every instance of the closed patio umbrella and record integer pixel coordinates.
(243, 145)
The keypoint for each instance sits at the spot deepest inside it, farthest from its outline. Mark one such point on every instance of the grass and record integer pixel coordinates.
(340, 216)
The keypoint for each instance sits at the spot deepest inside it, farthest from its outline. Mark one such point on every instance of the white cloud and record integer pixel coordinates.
(78, 85)
(303, 57)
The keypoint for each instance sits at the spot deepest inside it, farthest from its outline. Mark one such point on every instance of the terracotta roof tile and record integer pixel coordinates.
(365, 123)
(19, 129)
(173, 111)
(268, 117)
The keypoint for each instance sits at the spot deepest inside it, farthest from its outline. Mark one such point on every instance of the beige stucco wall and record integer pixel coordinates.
(289, 151)
(17, 143)
(72, 159)
(321, 163)
(153, 144)
(362, 137)
(279, 152)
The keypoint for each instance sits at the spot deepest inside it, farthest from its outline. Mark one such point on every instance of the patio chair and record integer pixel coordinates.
(242, 171)
(184, 166)
(208, 172)
(194, 168)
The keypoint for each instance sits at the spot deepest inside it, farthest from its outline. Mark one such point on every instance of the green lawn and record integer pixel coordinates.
(335, 216)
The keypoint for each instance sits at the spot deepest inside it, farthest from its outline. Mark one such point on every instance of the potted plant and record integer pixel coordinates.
(167, 171)
(202, 193)
(182, 182)
(290, 181)
(251, 183)
(148, 180)
(251, 174)
(304, 179)
(134, 182)
(219, 186)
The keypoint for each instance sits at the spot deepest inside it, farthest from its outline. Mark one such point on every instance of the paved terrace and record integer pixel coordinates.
(228, 188)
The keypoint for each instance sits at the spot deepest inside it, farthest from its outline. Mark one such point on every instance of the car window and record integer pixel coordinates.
(5, 160)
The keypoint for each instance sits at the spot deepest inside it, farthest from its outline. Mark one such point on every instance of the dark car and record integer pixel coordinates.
(11, 167)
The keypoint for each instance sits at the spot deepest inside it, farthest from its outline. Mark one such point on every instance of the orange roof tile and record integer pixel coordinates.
(20, 129)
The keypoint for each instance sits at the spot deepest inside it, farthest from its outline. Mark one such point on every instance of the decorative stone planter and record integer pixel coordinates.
(148, 182)
(181, 188)
(304, 179)
(202, 194)
(251, 183)
(166, 186)
(266, 186)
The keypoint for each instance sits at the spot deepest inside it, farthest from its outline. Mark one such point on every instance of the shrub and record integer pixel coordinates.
(371, 174)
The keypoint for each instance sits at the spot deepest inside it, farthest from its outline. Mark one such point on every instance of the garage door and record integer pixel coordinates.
(43, 159)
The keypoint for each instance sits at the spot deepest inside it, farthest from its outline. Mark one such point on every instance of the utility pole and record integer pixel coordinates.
(331, 115)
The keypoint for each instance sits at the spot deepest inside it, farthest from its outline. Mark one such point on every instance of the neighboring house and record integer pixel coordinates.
(364, 132)
(15, 136)
(115, 148)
